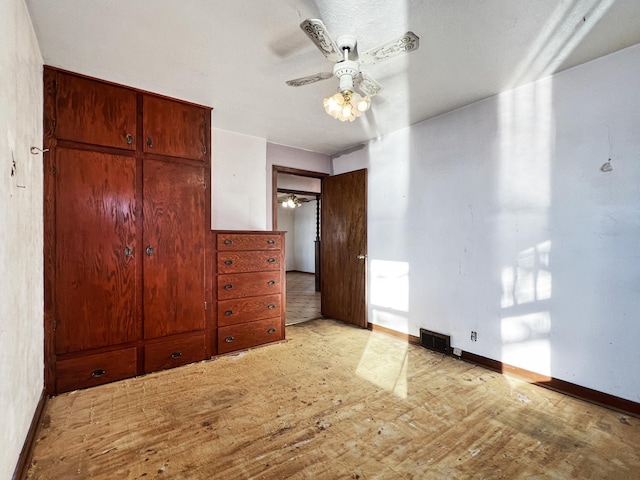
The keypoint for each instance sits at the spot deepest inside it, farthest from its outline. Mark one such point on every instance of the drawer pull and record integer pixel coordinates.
(129, 138)
(228, 262)
(271, 330)
(271, 306)
(228, 313)
(228, 287)
(271, 241)
(228, 242)
(271, 282)
(229, 339)
(271, 260)
(176, 354)
(98, 373)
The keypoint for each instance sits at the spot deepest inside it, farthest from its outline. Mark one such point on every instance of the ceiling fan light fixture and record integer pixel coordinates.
(346, 105)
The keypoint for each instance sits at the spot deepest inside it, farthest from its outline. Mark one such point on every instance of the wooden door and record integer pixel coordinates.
(344, 247)
(173, 128)
(174, 247)
(95, 235)
(94, 112)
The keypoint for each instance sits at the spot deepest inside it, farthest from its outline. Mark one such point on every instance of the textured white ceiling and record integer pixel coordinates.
(235, 56)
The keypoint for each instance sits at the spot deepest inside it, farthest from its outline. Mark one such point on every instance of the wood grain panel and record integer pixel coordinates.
(173, 353)
(173, 128)
(95, 224)
(344, 238)
(239, 241)
(174, 277)
(94, 112)
(246, 335)
(240, 285)
(253, 261)
(231, 312)
(91, 370)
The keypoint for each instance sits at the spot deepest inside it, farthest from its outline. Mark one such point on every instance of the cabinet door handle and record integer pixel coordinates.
(228, 262)
(228, 287)
(229, 339)
(149, 142)
(128, 252)
(271, 330)
(271, 260)
(176, 354)
(98, 373)
(271, 241)
(271, 306)
(271, 282)
(149, 250)
(228, 242)
(129, 138)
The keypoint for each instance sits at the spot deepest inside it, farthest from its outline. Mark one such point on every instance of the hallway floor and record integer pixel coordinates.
(303, 302)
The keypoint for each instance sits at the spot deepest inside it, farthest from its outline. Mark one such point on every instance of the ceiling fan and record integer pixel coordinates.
(348, 104)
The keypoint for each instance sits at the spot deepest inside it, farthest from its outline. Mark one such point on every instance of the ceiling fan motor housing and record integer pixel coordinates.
(346, 71)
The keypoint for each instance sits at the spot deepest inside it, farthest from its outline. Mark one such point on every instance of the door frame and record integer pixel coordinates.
(275, 170)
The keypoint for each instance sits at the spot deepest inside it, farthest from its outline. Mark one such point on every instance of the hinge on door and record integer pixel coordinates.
(205, 184)
(205, 305)
(54, 170)
(55, 325)
(204, 149)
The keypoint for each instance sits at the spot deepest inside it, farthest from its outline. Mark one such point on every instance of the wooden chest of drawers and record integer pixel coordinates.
(250, 286)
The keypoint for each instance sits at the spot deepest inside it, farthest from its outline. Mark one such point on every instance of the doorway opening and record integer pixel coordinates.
(296, 202)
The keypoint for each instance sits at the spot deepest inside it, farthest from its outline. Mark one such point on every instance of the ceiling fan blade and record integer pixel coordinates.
(299, 82)
(369, 86)
(319, 35)
(405, 43)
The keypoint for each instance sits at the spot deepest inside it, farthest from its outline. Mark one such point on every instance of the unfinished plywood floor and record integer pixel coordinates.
(333, 402)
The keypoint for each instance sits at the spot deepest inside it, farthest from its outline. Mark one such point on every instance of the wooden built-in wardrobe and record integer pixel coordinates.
(128, 260)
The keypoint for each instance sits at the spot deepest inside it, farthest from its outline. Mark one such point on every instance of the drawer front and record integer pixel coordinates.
(240, 285)
(246, 335)
(173, 353)
(91, 370)
(248, 241)
(232, 312)
(250, 261)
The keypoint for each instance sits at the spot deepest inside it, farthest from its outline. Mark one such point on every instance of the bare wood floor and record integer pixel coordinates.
(303, 302)
(332, 402)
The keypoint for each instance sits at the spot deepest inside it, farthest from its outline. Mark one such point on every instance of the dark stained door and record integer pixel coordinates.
(95, 236)
(174, 247)
(344, 247)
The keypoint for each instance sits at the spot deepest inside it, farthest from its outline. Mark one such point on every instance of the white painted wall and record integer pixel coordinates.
(238, 181)
(304, 246)
(497, 218)
(21, 234)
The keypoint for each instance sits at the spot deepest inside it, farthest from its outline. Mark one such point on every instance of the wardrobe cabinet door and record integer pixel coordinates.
(173, 128)
(95, 235)
(93, 112)
(174, 241)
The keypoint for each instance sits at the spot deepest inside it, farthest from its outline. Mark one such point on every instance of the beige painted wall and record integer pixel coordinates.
(21, 260)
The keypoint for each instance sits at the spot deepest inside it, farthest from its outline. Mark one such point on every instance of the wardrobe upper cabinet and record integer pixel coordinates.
(174, 129)
(93, 112)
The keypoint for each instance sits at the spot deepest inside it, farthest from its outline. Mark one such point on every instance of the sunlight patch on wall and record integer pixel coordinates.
(384, 363)
(529, 280)
(390, 284)
(526, 341)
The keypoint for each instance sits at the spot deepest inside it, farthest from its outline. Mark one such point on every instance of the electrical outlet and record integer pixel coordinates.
(457, 352)
(474, 336)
